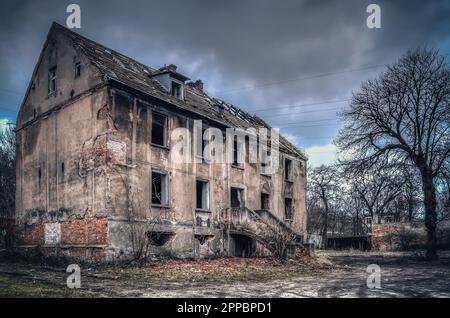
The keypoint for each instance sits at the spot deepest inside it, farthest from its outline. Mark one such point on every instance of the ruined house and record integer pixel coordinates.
(95, 176)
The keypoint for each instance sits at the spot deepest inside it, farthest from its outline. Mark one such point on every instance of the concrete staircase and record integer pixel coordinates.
(262, 226)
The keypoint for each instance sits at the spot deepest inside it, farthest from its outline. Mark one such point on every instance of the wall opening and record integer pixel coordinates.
(237, 197)
(265, 203)
(244, 246)
(202, 194)
(288, 208)
(159, 238)
(288, 169)
(159, 128)
(159, 188)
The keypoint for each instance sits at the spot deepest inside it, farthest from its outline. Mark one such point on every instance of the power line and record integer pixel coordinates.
(301, 105)
(301, 78)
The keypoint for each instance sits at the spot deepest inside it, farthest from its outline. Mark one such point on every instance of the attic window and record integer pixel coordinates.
(52, 81)
(77, 69)
(176, 90)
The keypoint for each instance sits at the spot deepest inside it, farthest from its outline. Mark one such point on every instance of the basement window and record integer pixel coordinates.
(52, 81)
(288, 208)
(265, 203)
(159, 188)
(176, 90)
(77, 69)
(202, 194)
(159, 238)
(237, 197)
(288, 169)
(159, 127)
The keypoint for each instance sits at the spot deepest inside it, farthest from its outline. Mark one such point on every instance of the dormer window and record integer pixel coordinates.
(171, 81)
(176, 90)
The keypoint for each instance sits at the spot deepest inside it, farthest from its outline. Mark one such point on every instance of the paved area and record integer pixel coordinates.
(401, 275)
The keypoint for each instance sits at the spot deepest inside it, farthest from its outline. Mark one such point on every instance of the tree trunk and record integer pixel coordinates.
(430, 213)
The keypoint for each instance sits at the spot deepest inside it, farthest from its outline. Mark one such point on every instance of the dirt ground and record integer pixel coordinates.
(334, 274)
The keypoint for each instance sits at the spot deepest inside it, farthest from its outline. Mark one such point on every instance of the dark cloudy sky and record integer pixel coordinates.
(265, 56)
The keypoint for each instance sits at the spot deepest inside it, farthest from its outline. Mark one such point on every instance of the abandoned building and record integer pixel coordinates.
(95, 179)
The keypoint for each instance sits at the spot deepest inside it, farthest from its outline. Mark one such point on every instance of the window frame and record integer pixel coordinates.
(52, 76)
(206, 193)
(164, 196)
(165, 128)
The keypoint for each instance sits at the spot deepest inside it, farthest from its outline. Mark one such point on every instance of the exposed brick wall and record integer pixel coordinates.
(85, 231)
(89, 231)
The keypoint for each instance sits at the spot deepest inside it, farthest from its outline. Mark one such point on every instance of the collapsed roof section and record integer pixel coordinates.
(127, 71)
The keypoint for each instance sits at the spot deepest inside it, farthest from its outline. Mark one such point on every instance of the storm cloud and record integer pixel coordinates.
(294, 63)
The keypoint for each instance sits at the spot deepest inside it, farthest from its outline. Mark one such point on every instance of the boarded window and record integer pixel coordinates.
(237, 197)
(202, 189)
(159, 188)
(288, 169)
(265, 201)
(159, 125)
(288, 208)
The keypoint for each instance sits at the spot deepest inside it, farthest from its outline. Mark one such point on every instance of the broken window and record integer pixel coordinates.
(288, 208)
(265, 201)
(237, 197)
(287, 169)
(237, 157)
(176, 90)
(159, 125)
(159, 188)
(77, 69)
(52, 81)
(202, 189)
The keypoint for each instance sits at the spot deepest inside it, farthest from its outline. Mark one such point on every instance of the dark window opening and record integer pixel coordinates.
(243, 246)
(159, 238)
(176, 90)
(52, 81)
(77, 69)
(237, 157)
(159, 188)
(265, 201)
(202, 239)
(237, 199)
(202, 189)
(39, 177)
(288, 208)
(62, 167)
(287, 169)
(159, 124)
(201, 144)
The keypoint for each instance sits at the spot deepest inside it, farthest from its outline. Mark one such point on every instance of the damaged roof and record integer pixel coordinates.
(129, 72)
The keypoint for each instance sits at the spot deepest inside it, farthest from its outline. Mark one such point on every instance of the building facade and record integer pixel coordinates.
(97, 174)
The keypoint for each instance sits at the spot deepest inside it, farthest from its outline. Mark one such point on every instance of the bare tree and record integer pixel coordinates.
(404, 114)
(7, 183)
(322, 187)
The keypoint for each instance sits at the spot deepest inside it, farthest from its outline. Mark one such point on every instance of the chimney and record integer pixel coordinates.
(198, 84)
(170, 68)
